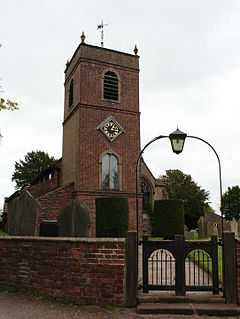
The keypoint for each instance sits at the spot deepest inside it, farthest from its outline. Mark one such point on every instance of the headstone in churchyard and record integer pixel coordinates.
(215, 229)
(22, 215)
(186, 233)
(202, 227)
(147, 228)
(234, 227)
(190, 234)
(74, 220)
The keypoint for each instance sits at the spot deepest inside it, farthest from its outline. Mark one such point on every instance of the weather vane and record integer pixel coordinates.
(101, 26)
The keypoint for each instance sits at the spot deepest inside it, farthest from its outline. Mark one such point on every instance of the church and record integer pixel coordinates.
(101, 144)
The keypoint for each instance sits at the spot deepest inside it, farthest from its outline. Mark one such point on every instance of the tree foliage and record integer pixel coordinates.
(8, 105)
(231, 203)
(182, 186)
(31, 167)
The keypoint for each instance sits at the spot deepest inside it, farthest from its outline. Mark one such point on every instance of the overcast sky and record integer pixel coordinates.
(189, 76)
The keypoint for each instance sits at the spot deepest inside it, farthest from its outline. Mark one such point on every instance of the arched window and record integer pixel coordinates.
(110, 172)
(70, 95)
(110, 86)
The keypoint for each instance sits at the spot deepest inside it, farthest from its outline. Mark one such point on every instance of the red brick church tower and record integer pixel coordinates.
(101, 144)
(101, 127)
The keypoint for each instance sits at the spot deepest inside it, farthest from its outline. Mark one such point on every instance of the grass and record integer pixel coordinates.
(200, 258)
(2, 233)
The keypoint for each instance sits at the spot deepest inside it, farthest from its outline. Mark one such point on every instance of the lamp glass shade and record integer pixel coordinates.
(177, 139)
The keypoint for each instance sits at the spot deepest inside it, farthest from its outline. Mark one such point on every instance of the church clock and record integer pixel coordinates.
(111, 128)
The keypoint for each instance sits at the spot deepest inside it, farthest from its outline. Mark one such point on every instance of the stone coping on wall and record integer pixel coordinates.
(69, 239)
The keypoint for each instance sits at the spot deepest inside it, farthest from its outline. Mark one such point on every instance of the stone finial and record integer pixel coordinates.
(135, 50)
(67, 63)
(83, 37)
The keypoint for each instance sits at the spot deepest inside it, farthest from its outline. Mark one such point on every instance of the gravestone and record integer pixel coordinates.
(187, 233)
(74, 220)
(22, 215)
(234, 227)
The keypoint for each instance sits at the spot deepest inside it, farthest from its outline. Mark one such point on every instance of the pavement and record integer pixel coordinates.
(19, 306)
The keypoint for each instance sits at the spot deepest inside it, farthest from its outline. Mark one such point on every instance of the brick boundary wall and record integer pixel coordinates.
(79, 270)
(237, 247)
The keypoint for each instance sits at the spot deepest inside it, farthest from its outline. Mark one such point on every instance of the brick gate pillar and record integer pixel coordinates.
(131, 271)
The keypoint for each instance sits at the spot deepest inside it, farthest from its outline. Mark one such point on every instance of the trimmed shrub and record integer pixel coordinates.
(193, 210)
(111, 217)
(168, 218)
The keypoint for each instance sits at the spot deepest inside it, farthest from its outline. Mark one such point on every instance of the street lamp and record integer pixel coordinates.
(177, 139)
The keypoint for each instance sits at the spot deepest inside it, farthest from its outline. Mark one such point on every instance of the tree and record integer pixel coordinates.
(231, 203)
(7, 105)
(27, 170)
(182, 186)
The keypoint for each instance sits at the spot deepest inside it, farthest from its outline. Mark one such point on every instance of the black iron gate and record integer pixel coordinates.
(180, 265)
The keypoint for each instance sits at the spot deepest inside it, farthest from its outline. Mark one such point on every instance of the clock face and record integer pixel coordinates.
(111, 128)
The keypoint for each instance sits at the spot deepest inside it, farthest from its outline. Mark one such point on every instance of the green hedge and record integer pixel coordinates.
(111, 217)
(168, 218)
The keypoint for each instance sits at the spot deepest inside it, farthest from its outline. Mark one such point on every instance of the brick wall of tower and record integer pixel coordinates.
(92, 144)
(70, 149)
(91, 87)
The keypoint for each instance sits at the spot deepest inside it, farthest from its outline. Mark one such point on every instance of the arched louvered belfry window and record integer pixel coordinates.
(110, 172)
(70, 95)
(110, 86)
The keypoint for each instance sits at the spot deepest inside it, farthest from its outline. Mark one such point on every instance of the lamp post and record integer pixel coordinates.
(177, 139)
